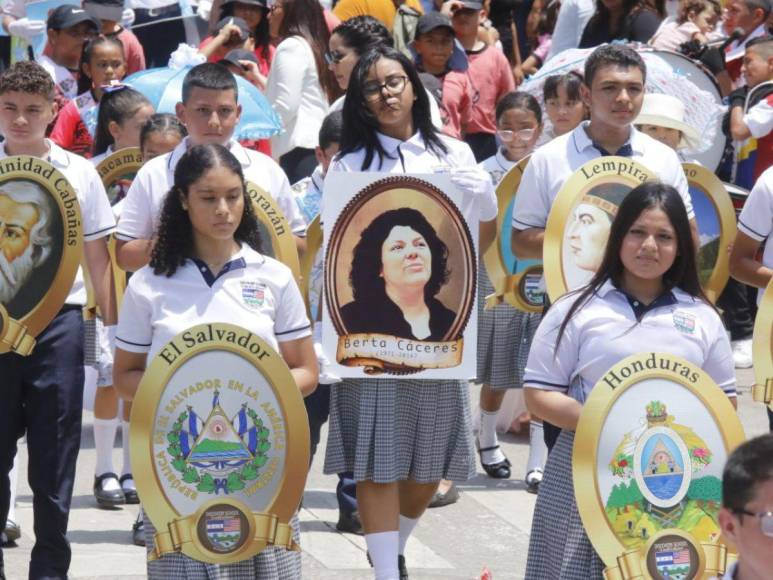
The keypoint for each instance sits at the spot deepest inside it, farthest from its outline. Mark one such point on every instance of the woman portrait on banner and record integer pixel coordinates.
(398, 268)
(400, 437)
(204, 254)
(648, 276)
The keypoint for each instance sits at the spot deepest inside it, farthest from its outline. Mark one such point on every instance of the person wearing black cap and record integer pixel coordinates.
(231, 33)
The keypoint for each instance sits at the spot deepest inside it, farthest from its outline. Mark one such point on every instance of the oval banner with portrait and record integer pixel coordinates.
(40, 249)
(276, 237)
(578, 225)
(715, 218)
(762, 349)
(219, 444)
(516, 282)
(400, 276)
(649, 450)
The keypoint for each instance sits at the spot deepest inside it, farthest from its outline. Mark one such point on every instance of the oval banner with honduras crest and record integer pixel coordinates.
(649, 450)
(41, 243)
(220, 445)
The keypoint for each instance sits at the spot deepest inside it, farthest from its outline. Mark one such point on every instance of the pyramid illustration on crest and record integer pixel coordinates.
(218, 440)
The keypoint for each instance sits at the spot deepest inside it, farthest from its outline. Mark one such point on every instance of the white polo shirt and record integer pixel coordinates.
(552, 164)
(412, 156)
(756, 219)
(759, 119)
(607, 329)
(143, 203)
(252, 291)
(96, 215)
(496, 166)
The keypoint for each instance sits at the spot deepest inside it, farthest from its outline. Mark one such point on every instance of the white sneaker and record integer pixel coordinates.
(742, 353)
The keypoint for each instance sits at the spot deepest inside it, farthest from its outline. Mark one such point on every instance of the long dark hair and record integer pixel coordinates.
(84, 81)
(363, 32)
(117, 105)
(260, 33)
(602, 16)
(361, 125)
(365, 279)
(305, 18)
(683, 273)
(175, 232)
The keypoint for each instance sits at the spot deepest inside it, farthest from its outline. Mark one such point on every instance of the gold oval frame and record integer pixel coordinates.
(118, 163)
(282, 239)
(413, 185)
(700, 177)
(588, 435)
(18, 335)
(508, 287)
(609, 169)
(762, 349)
(313, 246)
(296, 428)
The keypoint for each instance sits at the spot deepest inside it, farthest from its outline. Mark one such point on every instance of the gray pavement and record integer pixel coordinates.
(488, 527)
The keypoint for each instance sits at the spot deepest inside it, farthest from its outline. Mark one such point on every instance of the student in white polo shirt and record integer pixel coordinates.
(43, 392)
(613, 92)
(647, 279)
(210, 112)
(205, 255)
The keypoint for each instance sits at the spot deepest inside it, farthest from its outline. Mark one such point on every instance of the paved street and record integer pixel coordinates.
(488, 527)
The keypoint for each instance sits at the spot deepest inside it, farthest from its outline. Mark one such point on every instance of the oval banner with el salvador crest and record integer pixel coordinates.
(219, 444)
(649, 450)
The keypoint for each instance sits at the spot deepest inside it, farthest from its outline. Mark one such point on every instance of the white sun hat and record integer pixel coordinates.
(667, 111)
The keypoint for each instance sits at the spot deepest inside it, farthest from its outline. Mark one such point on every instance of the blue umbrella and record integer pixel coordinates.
(163, 88)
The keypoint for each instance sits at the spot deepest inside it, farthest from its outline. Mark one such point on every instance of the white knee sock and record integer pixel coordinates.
(127, 462)
(406, 529)
(104, 439)
(14, 479)
(487, 437)
(382, 548)
(537, 448)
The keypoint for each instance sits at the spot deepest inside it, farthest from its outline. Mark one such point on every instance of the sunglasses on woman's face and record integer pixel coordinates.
(395, 85)
(765, 518)
(334, 57)
(507, 136)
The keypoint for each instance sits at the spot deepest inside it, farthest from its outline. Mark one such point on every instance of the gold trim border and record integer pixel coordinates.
(762, 349)
(154, 500)
(588, 175)
(589, 430)
(700, 177)
(313, 246)
(123, 161)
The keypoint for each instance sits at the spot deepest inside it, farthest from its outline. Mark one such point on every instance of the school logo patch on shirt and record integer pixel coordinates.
(684, 322)
(253, 293)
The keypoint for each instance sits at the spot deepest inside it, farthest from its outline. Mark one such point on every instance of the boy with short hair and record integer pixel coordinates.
(210, 111)
(43, 392)
(750, 16)
(442, 64)
(489, 73)
(751, 113)
(746, 515)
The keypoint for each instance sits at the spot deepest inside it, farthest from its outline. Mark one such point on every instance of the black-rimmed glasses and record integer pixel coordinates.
(395, 85)
(765, 518)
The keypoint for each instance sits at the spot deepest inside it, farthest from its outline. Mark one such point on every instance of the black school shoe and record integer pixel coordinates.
(138, 531)
(402, 568)
(108, 499)
(10, 534)
(349, 523)
(499, 470)
(129, 493)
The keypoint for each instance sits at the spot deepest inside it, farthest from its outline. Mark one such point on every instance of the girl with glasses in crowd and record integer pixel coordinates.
(505, 333)
(397, 466)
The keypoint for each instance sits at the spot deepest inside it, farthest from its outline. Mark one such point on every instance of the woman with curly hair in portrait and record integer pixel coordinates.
(206, 254)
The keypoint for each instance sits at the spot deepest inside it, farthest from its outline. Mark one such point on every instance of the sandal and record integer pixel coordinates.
(499, 470)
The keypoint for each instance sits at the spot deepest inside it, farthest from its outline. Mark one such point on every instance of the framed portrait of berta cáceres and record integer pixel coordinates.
(40, 248)
(400, 276)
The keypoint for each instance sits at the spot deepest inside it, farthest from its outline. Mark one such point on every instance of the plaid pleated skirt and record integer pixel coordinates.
(387, 430)
(504, 339)
(559, 548)
(270, 564)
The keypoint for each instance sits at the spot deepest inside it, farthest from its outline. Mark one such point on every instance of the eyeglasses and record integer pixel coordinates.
(766, 521)
(522, 135)
(334, 57)
(395, 85)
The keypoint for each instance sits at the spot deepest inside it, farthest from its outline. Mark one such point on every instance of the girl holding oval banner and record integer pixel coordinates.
(400, 437)
(645, 295)
(205, 255)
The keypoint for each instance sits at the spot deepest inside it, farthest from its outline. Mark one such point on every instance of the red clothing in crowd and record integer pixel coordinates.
(70, 131)
(490, 76)
(264, 64)
(456, 104)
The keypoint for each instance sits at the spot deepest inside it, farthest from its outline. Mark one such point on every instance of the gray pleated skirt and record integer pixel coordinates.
(387, 430)
(504, 339)
(270, 564)
(559, 548)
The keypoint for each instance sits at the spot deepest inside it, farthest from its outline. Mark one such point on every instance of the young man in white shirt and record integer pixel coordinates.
(746, 516)
(614, 93)
(210, 112)
(43, 392)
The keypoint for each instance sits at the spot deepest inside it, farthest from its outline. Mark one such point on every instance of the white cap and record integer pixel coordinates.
(667, 111)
